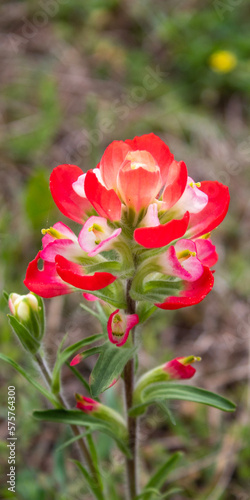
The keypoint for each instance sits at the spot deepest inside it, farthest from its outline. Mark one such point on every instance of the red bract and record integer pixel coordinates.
(180, 368)
(87, 405)
(192, 293)
(213, 213)
(73, 206)
(162, 234)
(75, 275)
(46, 282)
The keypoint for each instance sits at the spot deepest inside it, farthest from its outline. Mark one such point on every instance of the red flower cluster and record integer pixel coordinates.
(139, 200)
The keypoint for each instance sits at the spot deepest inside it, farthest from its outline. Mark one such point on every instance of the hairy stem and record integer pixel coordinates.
(131, 421)
(83, 449)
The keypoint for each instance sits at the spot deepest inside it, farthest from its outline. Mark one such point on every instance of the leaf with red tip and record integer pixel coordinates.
(158, 149)
(105, 201)
(175, 184)
(74, 274)
(213, 213)
(193, 292)
(163, 234)
(46, 283)
(69, 203)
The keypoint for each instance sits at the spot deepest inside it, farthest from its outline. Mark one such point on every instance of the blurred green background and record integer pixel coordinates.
(76, 75)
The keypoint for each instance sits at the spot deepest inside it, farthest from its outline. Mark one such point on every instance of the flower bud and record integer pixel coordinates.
(176, 369)
(119, 326)
(102, 412)
(27, 319)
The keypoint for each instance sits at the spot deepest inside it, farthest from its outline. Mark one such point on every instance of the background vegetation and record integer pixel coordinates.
(76, 75)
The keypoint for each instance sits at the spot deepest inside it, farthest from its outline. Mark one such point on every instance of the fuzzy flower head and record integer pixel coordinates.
(143, 222)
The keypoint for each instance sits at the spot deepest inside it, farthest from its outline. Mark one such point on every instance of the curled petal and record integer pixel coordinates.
(45, 283)
(175, 184)
(163, 234)
(180, 260)
(58, 231)
(119, 326)
(96, 236)
(74, 274)
(193, 199)
(193, 292)
(213, 213)
(139, 179)
(206, 252)
(73, 206)
(111, 162)
(105, 201)
(158, 149)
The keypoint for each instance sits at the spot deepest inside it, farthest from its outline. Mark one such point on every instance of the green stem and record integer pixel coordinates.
(132, 422)
(84, 452)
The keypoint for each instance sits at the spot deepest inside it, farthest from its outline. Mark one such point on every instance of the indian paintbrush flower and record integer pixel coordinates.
(137, 209)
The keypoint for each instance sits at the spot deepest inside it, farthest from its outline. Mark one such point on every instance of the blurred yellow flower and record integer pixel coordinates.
(222, 61)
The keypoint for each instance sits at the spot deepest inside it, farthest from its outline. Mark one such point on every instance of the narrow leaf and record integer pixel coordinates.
(79, 376)
(109, 367)
(187, 393)
(77, 417)
(92, 483)
(65, 355)
(31, 380)
(159, 478)
(72, 440)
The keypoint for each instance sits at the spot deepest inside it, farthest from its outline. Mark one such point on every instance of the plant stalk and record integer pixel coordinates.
(132, 423)
(83, 449)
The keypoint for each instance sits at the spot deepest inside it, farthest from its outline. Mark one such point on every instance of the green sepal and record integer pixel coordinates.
(109, 366)
(30, 343)
(145, 310)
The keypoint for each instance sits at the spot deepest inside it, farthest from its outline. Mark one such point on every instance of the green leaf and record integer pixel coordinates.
(72, 440)
(145, 310)
(79, 376)
(5, 296)
(159, 478)
(187, 393)
(109, 367)
(92, 482)
(62, 357)
(29, 342)
(31, 380)
(77, 417)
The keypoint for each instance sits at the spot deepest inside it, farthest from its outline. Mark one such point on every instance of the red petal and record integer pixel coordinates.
(214, 212)
(158, 149)
(105, 201)
(193, 293)
(45, 283)
(111, 161)
(159, 236)
(176, 184)
(74, 275)
(70, 204)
